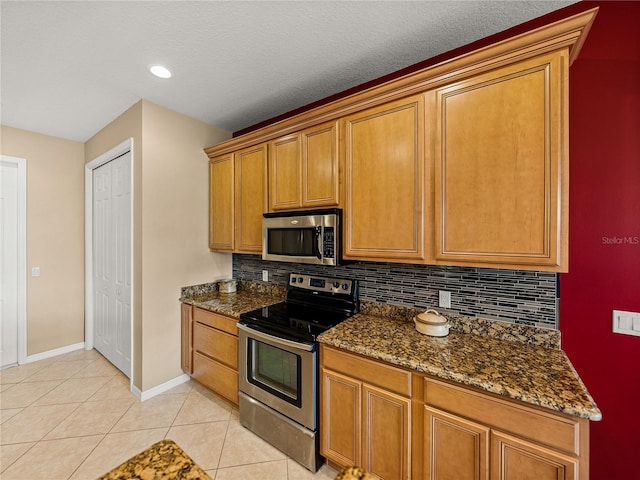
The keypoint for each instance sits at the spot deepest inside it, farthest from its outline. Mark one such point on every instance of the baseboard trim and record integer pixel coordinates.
(54, 352)
(158, 389)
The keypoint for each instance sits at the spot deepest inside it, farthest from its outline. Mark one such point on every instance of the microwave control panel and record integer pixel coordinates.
(328, 239)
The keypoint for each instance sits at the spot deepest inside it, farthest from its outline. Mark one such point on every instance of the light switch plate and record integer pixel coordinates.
(265, 275)
(627, 323)
(35, 271)
(444, 299)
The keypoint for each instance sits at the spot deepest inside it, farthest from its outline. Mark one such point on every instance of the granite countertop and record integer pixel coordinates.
(249, 296)
(164, 459)
(523, 371)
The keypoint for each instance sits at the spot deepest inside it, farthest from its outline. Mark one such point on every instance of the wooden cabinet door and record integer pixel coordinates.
(385, 182)
(284, 173)
(340, 423)
(221, 203)
(454, 448)
(250, 198)
(320, 166)
(386, 434)
(516, 459)
(501, 167)
(186, 322)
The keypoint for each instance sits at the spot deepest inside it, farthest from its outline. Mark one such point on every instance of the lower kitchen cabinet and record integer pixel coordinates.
(472, 435)
(401, 424)
(214, 352)
(364, 421)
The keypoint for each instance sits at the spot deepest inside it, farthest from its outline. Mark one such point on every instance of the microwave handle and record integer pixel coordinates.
(319, 243)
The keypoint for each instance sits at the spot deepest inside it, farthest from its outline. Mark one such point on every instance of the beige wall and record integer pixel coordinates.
(175, 231)
(170, 227)
(55, 237)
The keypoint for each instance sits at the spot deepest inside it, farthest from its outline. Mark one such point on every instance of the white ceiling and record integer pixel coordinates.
(70, 68)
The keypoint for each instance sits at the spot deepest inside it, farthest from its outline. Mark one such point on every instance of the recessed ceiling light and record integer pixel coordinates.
(160, 71)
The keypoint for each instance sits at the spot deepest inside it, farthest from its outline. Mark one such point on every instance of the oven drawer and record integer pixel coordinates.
(226, 324)
(216, 344)
(219, 378)
(371, 371)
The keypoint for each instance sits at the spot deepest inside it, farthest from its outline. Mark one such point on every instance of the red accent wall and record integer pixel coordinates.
(604, 233)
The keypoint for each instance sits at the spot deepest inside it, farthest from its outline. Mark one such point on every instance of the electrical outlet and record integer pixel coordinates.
(35, 271)
(265, 275)
(444, 299)
(627, 323)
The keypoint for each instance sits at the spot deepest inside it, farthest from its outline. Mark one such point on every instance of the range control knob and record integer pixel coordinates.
(345, 286)
(299, 279)
(293, 279)
(336, 284)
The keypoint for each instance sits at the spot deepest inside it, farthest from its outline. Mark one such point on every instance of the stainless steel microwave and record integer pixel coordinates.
(313, 236)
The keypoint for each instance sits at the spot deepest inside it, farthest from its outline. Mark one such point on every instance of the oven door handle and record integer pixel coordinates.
(276, 340)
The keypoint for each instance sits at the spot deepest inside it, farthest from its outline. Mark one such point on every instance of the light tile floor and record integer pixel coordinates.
(73, 417)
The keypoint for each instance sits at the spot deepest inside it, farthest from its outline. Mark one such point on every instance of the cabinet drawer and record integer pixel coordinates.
(221, 322)
(549, 429)
(370, 371)
(216, 344)
(219, 378)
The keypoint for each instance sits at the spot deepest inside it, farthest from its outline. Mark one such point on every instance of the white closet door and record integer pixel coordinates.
(102, 245)
(112, 261)
(121, 202)
(8, 264)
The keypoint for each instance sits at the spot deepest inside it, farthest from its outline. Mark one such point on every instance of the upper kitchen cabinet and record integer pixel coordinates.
(304, 169)
(501, 167)
(385, 182)
(237, 199)
(250, 197)
(221, 203)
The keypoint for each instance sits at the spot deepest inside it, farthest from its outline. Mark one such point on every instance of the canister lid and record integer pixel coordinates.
(431, 317)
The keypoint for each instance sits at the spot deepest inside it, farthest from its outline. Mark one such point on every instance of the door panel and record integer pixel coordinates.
(9, 273)
(101, 253)
(455, 448)
(516, 459)
(386, 433)
(385, 182)
(112, 261)
(500, 168)
(122, 273)
(221, 203)
(250, 198)
(340, 423)
(284, 173)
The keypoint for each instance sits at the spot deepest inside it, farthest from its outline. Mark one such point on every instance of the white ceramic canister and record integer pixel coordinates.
(432, 323)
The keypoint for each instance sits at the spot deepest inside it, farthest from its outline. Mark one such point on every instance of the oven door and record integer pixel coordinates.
(280, 373)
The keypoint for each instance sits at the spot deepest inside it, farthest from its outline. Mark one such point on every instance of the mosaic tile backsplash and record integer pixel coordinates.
(522, 297)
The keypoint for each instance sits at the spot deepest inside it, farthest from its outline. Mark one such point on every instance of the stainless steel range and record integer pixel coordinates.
(278, 363)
